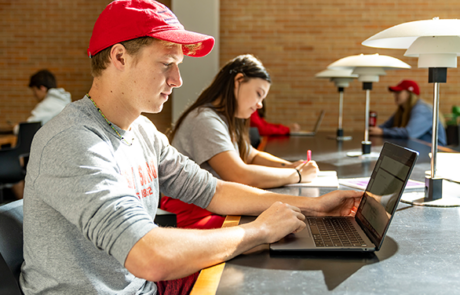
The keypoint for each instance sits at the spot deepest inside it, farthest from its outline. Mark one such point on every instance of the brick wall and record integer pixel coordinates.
(51, 34)
(294, 38)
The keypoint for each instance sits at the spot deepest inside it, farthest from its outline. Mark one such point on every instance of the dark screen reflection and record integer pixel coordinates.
(382, 194)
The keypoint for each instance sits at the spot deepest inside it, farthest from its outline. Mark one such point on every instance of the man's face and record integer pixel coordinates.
(39, 92)
(152, 78)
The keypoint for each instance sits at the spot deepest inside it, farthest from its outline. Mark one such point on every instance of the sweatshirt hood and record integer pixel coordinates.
(60, 94)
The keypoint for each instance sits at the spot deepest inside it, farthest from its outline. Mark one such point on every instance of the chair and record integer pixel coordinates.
(11, 243)
(165, 218)
(453, 135)
(11, 170)
(254, 136)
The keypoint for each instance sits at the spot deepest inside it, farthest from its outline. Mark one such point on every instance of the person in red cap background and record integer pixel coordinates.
(413, 118)
(96, 171)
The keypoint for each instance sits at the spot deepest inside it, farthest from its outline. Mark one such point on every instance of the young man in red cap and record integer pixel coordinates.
(413, 118)
(96, 171)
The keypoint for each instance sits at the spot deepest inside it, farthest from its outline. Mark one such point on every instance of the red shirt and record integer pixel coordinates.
(266, 128)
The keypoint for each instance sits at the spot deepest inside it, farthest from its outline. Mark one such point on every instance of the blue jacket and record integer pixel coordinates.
(420, 125)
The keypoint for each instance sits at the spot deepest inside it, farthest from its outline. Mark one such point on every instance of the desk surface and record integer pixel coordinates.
(8, 139)
(420, 254)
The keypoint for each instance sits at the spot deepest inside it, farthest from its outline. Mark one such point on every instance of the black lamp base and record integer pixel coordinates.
(366, 147)
(339, 132)
(433, 188)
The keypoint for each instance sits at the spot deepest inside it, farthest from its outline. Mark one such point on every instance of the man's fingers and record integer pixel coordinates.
(294, 208)
(297, 212)
(302, 225)
(300, 216)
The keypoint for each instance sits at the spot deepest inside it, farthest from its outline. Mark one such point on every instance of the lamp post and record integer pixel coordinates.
(368, 68)
(436, 43)
(341, 79)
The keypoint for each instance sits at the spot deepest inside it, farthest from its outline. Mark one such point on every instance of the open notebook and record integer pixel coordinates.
(362, 182)
(324, 179)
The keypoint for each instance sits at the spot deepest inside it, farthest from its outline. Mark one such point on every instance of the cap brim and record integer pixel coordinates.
(184, 37)
(395, 89)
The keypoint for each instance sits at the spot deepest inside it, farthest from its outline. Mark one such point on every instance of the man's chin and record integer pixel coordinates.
(155, 110)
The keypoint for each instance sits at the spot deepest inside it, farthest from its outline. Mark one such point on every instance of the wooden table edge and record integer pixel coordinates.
(209, 278)
(263, 143)
(8, 139)
(441, 148)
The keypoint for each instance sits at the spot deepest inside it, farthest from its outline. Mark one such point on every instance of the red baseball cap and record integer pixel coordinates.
(123, 20)
(408, 85)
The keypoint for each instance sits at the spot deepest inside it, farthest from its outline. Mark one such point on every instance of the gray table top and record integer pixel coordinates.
(420, 254)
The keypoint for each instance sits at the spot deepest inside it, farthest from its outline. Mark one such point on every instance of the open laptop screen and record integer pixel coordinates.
(384, 190)
(318, 122)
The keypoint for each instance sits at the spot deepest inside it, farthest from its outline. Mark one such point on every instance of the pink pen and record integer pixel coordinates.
(309, 155)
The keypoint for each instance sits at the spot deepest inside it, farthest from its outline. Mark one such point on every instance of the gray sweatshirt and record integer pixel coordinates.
(89, 198)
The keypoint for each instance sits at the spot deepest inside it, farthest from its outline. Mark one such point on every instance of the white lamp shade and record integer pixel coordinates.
(436, 42)
(341, 78)
(368, 67)
(328, 74)
(403, 35)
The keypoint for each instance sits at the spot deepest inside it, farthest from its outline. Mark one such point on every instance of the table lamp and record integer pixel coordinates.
(341, 79)
(436, 43)
(368, 67)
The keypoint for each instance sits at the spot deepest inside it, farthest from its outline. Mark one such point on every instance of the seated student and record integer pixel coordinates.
(266, 129)
(413, 118)
(51, 100)
(214, 133)
(96, 171)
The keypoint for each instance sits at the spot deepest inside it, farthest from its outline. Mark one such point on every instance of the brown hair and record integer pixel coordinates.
(222, 90)
(100, 61)
(43, 78)
(403, 113)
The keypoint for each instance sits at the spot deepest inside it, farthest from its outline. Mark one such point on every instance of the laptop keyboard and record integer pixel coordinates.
(334, 232)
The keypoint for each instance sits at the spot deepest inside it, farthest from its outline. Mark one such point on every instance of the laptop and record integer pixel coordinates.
(367, 229)
(310, 133)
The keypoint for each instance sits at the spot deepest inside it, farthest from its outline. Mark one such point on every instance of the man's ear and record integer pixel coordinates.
(43, 88)
(118, 56)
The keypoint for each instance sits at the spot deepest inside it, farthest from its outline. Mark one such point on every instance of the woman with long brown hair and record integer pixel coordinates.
(213, 132)
(413, 117)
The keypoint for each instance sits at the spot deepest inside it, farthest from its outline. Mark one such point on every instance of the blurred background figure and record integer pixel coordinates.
(265, 128)
(51, 100)
(413, 117)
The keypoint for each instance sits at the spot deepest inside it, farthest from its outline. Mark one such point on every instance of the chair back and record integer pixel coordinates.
(11, 170)
(11, 247)
(254, 136)
(26, 133)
